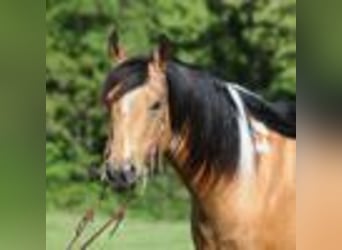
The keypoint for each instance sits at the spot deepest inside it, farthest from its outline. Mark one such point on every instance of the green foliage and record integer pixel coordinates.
(250, 42)
(133, 234)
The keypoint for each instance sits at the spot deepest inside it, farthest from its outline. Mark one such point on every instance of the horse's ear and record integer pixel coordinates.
(115, 51)
(162, 53)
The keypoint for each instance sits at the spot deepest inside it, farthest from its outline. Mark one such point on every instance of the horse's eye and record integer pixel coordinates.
(155, 106)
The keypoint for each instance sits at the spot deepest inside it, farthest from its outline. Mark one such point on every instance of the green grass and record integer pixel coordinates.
(133, 234)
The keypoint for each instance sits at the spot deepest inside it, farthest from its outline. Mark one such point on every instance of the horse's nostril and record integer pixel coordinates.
(129, 173)
(133, 169)
(110, 174)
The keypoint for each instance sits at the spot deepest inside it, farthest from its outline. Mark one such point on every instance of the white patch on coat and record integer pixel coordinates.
(246, 174)
(262, 145)
(261, 134)
(246, 159)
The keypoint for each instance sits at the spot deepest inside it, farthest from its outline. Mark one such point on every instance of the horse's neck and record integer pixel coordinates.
(213, 213)
(220, 213)
(239, 211)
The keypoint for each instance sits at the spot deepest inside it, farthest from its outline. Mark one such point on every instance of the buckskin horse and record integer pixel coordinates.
(234, 151)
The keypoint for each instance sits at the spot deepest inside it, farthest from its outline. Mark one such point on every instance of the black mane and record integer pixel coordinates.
(199, 102)
(278, 116)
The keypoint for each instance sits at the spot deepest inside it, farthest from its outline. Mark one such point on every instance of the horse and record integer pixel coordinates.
(234, 151)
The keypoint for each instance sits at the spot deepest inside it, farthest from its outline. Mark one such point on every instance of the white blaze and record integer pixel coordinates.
(127, 104)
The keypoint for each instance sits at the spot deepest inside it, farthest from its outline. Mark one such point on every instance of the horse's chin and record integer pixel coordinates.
(123, 188)
(118, 186)
(132, 187)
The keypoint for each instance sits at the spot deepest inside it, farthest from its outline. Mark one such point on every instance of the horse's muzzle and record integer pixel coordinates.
(121, 178)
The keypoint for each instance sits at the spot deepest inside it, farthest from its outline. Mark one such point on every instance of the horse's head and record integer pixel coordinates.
(139, 127)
